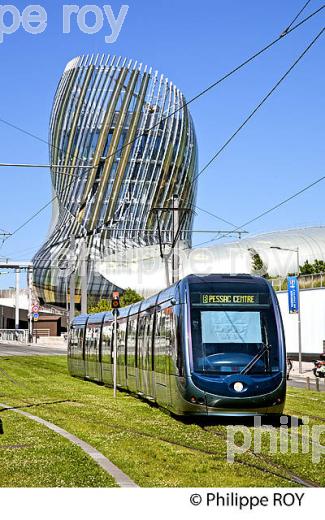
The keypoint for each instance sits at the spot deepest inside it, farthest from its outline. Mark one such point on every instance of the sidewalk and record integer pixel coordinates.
(51, 341)
(15, 348)
(48, 343)
(306, 379)
(307, 370)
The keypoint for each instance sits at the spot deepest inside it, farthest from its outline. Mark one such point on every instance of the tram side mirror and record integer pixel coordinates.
(173, 301)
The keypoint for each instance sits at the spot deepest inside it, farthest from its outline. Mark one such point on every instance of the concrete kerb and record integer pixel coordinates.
(121, 478)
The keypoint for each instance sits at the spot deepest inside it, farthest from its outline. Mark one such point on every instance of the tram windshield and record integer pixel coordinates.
(233, 334)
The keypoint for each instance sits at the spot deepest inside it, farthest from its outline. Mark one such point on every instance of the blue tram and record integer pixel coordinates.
(208, 345)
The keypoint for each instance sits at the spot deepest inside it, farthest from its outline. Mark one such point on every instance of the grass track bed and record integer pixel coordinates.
(144, 442)
(33, 456)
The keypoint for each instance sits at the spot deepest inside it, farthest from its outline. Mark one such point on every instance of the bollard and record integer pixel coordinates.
(308, 383)
(317, 384)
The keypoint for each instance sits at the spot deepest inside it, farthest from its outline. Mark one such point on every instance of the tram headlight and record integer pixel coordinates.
(238, 387)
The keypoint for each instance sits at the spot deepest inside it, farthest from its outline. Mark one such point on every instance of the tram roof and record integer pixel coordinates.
(258, 281)
(171, 292)
(80, 320)
(96, 318)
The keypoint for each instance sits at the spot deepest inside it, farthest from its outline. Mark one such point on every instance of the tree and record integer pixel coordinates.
(317, 267)
(128, 297)
(257, 262)
(258, 266)
(307, 268)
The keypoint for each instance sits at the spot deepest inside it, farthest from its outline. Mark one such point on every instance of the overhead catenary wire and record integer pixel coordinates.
(268, 95)
(220, 150)
(38, 212)
(217, 82)
(31, 218)
(215, 216)
(190, 101)
(200, 94)
(56, 167)
(295, 18)
(270, 210)
(23, 165)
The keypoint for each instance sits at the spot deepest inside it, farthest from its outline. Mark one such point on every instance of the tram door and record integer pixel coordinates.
(76, 351)
(145, 375)
(162, 351)
(92, 353)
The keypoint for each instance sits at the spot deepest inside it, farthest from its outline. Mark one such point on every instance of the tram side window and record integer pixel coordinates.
(149, 331)
(78, 350)
(92, 343)
(141, 342)
(131, 341)
(88, 341)
(177, 364)
(170, 339)
(270, 337)
(121, 333)
(145, 342)
(96, 338)
(161, 343)
(74, 343)
(107, 343)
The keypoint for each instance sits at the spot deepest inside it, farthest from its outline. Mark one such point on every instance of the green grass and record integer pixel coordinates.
(153, 448)
(34, 456)
(305, 403)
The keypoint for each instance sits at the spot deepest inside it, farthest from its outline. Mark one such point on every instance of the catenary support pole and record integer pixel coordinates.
(84, 278)
(17, 299)
(166, 264)
(175, 254)
(115, 352)
(72, 278)
(299, 317)
(30, 304)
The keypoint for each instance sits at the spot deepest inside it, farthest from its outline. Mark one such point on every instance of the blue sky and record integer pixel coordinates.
(192, 43)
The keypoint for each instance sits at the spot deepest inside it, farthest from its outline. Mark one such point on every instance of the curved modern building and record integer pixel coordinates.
(232, 257)
(121, 143)
(276, 250)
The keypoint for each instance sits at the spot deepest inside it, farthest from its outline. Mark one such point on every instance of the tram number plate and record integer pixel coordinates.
(229, 299)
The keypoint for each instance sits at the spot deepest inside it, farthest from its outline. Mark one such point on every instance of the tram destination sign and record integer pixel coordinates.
(230, 299)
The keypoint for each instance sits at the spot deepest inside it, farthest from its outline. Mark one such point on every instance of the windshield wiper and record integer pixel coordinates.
(258, 356)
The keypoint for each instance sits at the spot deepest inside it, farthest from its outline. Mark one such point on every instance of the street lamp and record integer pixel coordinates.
(299, 316)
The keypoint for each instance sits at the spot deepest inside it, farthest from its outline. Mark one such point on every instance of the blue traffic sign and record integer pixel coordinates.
(293, 294)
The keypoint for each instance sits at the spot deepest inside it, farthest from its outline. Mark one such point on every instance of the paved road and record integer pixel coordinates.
(12, 349)
(301, 383)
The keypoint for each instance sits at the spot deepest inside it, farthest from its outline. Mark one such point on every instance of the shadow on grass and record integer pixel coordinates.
(266, 420)
(1, 428)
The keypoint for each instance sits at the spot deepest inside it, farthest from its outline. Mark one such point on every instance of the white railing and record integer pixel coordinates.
(42, 332)
(19, 335)
(306, 281)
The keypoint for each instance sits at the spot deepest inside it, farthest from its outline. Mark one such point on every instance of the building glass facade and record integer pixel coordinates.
(121, 143)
